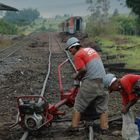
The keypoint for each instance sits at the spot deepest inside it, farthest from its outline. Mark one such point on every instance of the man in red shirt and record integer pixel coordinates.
(125, 86)
(90, 71)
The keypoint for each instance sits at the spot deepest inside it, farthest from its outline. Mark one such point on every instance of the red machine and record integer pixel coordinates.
(35, 112)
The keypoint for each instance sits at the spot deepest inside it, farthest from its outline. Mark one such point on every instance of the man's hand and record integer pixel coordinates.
(124, 110)
(74, 76)
(127, 107)
(80, 74)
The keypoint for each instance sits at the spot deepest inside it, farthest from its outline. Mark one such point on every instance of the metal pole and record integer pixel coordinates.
(91, 134)
(25, 135)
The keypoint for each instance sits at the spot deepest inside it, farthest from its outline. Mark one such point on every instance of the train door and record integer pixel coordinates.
(78, 21)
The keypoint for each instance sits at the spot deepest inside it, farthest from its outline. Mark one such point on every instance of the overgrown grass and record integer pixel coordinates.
(127, 45)
(104, 41)
(134, 39)
(133, 58)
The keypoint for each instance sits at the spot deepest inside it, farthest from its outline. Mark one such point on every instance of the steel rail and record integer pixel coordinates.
(13, 45)
(2, 59)
(26, 133)
(5, 53)
(91, 133)
(71, 61)
(68, 56)
(48, 73)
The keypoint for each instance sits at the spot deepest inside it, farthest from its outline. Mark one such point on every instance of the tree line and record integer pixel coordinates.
(12, 20)
(101, 22)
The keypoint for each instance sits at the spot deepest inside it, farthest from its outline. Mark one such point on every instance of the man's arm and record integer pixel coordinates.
(127, 107)
(80, 74)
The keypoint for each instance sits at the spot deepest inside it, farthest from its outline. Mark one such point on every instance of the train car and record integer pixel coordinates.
(72, 25)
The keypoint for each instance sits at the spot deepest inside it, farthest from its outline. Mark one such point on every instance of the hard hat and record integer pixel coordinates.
(71, 42)
(108, 80)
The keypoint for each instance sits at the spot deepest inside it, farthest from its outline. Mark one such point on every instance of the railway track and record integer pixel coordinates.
(51, 88)
(10, 50)
(37, 74)
(51, 91)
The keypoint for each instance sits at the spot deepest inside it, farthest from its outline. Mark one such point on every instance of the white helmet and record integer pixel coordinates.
(71, 42)
(108, 80)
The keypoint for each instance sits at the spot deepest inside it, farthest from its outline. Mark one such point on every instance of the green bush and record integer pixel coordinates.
(7, 28)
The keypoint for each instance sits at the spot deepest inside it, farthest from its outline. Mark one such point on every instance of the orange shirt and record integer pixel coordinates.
(127, 82)
(90, 59)
(83, 56)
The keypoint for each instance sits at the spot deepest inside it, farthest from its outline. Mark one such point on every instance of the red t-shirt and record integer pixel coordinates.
(83, 56)
(127, 82)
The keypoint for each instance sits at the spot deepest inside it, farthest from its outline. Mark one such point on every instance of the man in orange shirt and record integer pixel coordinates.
(127, 86)
(90, 71)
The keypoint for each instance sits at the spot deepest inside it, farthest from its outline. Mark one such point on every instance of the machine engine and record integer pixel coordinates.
(33, 122)
(32, 113)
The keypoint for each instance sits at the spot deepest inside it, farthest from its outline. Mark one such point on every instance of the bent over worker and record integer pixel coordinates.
(128, 86)
(90, 71)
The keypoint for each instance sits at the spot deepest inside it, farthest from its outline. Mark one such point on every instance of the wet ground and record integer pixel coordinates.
(23, 74)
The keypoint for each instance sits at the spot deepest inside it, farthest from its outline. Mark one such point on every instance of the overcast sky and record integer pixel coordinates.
(50, 8)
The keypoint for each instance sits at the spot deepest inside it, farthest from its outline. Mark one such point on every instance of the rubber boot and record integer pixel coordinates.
(76, 118)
